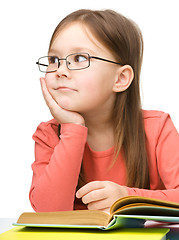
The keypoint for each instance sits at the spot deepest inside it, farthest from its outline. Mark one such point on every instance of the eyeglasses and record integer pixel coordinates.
(75, 61)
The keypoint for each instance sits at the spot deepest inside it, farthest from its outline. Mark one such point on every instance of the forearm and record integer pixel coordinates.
(53, 188)
(167, 195)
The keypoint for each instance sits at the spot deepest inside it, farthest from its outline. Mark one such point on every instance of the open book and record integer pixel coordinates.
(131, 211)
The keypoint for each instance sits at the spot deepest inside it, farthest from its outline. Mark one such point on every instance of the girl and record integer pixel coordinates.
(100, 145)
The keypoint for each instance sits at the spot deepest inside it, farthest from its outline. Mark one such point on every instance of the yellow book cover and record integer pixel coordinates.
(26, 233)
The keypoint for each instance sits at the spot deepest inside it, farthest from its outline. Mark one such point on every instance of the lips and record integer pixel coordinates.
(65, 88)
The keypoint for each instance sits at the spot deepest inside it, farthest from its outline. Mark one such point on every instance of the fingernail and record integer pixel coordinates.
(77, 195)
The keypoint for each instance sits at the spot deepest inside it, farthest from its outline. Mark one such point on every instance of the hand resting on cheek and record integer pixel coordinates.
(60, 114)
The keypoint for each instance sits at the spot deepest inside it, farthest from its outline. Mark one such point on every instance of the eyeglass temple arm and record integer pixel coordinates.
(106, 60)
(41, 64)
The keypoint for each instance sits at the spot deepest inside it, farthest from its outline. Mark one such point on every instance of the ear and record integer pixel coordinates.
(124, 78)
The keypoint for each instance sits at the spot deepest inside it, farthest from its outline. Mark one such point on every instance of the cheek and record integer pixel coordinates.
(49, 78)
(89, 82)
(97, 83)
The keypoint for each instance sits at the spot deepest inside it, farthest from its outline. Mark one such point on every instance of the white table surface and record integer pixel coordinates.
(6, 224)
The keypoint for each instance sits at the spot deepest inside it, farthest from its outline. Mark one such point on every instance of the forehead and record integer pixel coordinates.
(76, 36)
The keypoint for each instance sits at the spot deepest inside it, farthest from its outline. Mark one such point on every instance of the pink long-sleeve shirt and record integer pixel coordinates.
(58, 162)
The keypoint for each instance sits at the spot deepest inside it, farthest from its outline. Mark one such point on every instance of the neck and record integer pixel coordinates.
(100, 131)
(97, 121)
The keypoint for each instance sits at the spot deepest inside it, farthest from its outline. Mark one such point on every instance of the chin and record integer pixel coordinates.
(67, 106)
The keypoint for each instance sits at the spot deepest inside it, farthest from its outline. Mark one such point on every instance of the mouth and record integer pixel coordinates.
(64, 88)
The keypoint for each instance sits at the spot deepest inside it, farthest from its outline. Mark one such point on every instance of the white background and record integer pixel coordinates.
(25, 31)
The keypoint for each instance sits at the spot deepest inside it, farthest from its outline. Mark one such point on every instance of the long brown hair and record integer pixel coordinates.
(124, 40)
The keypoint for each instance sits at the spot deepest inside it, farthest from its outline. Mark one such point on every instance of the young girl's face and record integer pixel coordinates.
(87, 90)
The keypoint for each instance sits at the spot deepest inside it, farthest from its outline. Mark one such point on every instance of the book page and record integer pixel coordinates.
(127, 201)
(83, 217)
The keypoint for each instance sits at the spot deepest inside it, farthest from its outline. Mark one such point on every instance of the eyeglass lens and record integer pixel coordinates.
(73, 61)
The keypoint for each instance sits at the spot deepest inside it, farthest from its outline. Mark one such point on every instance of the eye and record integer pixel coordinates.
(53, 59)
(80, 58)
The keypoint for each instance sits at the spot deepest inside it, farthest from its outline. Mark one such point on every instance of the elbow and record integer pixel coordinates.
(48, 203)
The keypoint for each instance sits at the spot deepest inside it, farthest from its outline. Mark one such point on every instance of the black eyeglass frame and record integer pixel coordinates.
(65, 59)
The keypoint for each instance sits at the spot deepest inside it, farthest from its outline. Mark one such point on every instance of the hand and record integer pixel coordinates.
(60, 114)
(100, 195)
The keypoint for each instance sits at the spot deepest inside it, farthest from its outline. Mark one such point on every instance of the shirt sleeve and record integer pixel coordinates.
(56, 167)
(167, 161)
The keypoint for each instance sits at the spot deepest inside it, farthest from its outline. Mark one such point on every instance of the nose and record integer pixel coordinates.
(62, 70)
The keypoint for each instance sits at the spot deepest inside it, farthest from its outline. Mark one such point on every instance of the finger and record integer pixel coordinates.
(93, 196)
(91, 186)
(47, 96)
(54, 108)
(51, 103)
(99, 205)
(106, 210)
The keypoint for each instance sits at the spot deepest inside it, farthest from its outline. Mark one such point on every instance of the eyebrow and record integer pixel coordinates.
(73, 50)
(53, 51)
